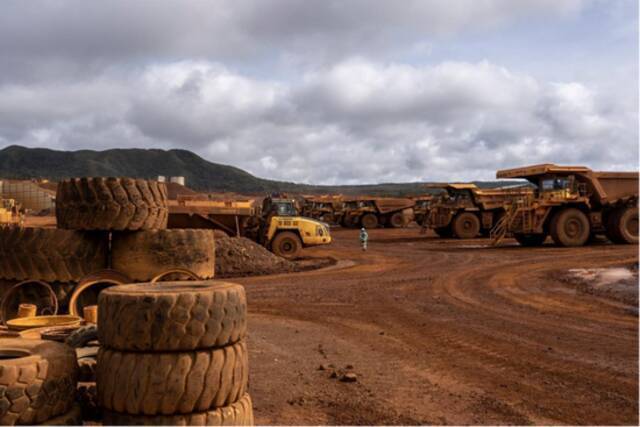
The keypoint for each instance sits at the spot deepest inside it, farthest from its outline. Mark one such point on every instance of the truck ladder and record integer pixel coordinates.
(501, 228)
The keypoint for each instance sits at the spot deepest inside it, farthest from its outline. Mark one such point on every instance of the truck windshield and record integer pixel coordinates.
(286, 209)
(554, 184)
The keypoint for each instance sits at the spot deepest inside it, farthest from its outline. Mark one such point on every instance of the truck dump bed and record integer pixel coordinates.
(606, 187)
(388, 204)
(617, 185)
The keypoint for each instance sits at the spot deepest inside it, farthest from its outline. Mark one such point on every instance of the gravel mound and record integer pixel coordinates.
(240, 257)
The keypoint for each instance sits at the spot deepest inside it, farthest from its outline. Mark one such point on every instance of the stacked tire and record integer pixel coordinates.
(37, 383)
(173, 353)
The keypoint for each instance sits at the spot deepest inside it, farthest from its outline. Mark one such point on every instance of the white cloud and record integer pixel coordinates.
(358, 121)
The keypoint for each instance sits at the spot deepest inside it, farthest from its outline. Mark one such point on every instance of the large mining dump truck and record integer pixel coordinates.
(275, 224)
(571, 203)
(466, 211)
(323, 208)
(380, 211)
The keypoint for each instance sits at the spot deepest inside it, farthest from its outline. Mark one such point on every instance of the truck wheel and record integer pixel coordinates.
(530, 239)
(287, 245)
(38, 380)
(348, 222)
(369, 221)
(570, 227)
(466, 225)
(444, 231)
(626, 225)
(397, 220)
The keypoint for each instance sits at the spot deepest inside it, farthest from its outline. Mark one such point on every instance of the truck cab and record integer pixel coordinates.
(285, 233)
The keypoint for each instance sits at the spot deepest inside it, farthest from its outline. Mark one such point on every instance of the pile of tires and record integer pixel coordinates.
(173, 353)
(37, 383)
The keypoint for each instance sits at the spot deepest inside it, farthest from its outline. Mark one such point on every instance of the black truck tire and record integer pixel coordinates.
(570, 227)
(236, 414)
(111, 204)
(38, 380)
(466, 225)
(172, 382)
(141, 255)
(286, 244)
(369, 221)
(50, 254)
(397, 220)
(172, 316)
(624, 226)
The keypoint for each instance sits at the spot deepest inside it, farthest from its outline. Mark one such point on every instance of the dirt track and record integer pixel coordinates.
(443, 331)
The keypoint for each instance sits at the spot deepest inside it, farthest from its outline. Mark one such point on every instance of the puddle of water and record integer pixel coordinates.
(603, 276)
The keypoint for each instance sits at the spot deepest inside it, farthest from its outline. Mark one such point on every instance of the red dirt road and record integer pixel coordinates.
(442, 332)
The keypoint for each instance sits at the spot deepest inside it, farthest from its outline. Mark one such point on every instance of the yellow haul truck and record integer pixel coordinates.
(571, 203)
(372, 212)
(465, 211)
(275, 225)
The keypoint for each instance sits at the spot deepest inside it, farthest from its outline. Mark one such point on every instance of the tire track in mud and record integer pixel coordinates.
(470, 335)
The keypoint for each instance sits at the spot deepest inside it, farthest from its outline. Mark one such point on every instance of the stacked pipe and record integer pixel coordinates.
(173, 353)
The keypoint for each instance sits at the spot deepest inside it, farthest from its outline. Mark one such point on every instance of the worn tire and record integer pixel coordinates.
(111, 204)
(37, 385)
(530, 240)
(172, 382)
(625, 225)
(50, 254)
(141, 255)
(71, 418)
(172, 316)
(570, 227)
(397, 220)
(239, 413)
(287, 245)
(466, 225)
(369, 221)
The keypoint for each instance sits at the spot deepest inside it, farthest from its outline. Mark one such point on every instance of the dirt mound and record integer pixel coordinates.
(240, 257)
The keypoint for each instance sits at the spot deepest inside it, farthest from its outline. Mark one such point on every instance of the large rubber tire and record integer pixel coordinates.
(237, 414)
(444, 232)
(287, 245)
(349, 221)
(173, 382)
(466, 225)
(530, 239)
(369, 221)
(50, 254)
(172, 316)
(111, 204)
(141, 255)
(37, 379)
(71, 418)
(397, 220)
(625, 225)
(570, 227)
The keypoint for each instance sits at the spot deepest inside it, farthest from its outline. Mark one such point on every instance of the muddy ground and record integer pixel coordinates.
(443, 332)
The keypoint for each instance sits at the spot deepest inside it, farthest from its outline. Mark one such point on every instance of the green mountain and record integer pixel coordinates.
(26, 163)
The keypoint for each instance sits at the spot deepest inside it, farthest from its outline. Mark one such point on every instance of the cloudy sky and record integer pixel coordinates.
(331, 91)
